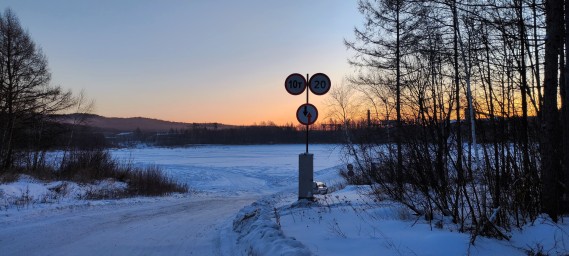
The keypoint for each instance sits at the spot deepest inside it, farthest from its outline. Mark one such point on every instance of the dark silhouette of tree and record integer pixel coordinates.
(26, 96)
(550, 127)
(565, 115)
(388, 36)
(470, 64)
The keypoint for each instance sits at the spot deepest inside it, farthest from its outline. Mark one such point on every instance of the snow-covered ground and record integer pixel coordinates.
(347, 223)
(244, 202)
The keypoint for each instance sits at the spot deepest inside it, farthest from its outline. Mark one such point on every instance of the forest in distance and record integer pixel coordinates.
(128, 132)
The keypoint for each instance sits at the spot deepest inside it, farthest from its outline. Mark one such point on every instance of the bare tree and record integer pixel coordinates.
(497, 49)
(26, 95)
(388, 36)
(81, 107)
(342, 103)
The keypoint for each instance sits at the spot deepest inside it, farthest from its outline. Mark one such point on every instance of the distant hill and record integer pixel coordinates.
(117, 124)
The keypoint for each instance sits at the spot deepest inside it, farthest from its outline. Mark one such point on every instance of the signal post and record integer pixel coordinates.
(306, 114)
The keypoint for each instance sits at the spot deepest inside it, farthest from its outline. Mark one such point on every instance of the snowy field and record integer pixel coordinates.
(243, 202)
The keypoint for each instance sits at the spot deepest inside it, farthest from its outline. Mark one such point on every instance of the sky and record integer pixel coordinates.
(219, 61)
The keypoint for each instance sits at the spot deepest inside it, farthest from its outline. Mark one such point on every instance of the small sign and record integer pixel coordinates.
(295, 84)
(307, 114)
(319, 84)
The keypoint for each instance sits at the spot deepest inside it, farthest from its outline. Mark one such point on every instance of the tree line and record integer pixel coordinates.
(238, 135)
(460, 71)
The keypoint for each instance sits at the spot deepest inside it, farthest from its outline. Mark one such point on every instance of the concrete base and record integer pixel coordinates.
(305, 176)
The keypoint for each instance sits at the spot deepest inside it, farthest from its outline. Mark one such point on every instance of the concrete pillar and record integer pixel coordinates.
(305, 176)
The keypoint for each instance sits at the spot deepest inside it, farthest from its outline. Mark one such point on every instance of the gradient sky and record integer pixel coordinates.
(191, 61)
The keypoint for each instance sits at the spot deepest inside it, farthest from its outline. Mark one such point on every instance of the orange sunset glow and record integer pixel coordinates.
(184, 62)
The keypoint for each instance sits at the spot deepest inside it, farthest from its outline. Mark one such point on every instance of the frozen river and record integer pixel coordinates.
(233, 170)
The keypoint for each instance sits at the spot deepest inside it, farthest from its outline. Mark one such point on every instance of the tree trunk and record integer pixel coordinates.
(459, 168)
(524, 90)
(398, 101)
(550, 160)
(565, 116)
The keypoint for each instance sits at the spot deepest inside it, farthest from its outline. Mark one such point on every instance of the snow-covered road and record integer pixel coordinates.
(178, 226)
(226, 178)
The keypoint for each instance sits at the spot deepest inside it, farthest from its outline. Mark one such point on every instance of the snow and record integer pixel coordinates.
(27, 192)
(347, 223)
(260, 235)
(243, 202)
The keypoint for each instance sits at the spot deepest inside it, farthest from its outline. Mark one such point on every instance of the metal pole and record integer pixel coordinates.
(307, 92)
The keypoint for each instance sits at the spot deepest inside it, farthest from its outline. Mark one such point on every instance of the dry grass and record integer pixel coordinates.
(96, 165)
(152, 182)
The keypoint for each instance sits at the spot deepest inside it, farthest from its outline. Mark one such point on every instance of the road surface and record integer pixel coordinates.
(179, 226)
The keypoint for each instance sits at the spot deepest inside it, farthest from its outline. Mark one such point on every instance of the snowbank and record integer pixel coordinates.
(347, 222)
(258, 234)
(29, 192)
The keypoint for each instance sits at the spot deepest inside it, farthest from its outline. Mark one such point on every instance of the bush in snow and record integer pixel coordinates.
(103, 176)
(89, 166)
(152, 182)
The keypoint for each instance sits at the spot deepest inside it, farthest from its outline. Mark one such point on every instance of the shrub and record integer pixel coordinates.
(86, 166)
(8, 176)
(95, 165)
(152, 182)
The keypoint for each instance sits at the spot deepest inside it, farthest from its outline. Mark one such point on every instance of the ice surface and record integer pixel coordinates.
(249, 169)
